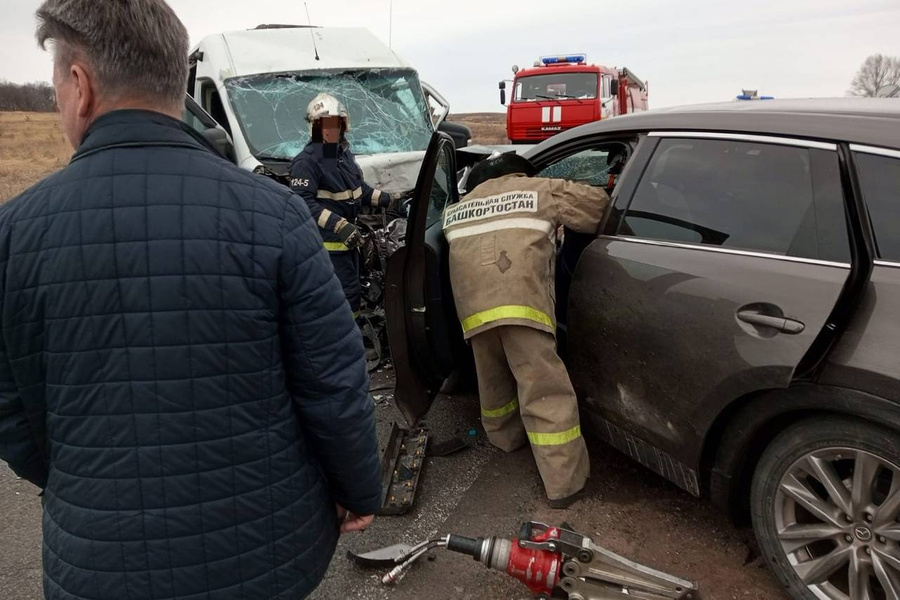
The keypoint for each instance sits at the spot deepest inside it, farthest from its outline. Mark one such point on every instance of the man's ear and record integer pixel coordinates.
(87, 93)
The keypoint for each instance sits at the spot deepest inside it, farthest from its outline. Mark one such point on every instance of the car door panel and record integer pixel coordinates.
(678, 315)
(865, 357)
(423, 329)
(656, 345)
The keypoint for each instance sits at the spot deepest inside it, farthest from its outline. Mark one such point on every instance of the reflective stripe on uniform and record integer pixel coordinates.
(340, 196)
(544, 227)
(336, 247)
(505, 312)
(323, 218)
(501, 412)
(555, 439)
(376, 196)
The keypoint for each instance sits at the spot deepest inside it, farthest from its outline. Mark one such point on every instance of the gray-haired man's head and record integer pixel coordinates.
(111, 54)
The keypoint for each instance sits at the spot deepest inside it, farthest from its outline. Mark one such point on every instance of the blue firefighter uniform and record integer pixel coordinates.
(329, 179)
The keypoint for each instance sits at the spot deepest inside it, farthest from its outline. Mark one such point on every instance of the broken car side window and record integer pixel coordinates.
(588, 166)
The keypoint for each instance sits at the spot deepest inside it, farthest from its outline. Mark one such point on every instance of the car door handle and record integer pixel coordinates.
(782, 324)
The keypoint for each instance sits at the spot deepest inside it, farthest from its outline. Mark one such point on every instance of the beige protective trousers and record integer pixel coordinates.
(526, 396)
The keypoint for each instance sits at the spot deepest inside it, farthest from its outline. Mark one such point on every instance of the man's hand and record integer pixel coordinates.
(352, 522)
(349, 234)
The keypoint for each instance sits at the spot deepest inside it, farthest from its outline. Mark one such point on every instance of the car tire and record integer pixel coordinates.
(806, 524)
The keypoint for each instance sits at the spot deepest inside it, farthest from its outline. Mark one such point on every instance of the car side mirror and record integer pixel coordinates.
(503, 92)
(219, 140)
(614, 87)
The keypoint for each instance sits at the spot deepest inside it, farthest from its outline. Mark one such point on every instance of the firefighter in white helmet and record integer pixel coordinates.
(328, 177)
(502, 269)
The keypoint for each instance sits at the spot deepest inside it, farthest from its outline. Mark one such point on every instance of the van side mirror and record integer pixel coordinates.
(614, 87)
(460, 133)
(221, 142)
(503, 92)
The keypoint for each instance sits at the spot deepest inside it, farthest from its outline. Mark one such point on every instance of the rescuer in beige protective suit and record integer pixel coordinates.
(502, 268)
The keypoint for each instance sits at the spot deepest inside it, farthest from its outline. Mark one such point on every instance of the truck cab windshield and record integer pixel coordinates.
(556, 85)
(386, 106)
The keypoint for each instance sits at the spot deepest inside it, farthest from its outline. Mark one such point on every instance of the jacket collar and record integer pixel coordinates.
(138, 128)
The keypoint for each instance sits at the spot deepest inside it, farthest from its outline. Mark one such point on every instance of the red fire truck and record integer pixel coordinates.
(562, 92)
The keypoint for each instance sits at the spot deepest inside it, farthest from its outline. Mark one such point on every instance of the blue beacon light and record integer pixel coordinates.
(556, 60)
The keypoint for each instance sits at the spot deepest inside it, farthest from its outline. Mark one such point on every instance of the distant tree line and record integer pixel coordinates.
(879, 75)
(32, 97)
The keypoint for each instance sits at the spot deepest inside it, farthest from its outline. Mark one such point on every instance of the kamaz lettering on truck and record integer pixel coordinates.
(562, 92)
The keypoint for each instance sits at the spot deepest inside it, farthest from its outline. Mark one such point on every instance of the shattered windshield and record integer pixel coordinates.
(556, 85)
(387, 110)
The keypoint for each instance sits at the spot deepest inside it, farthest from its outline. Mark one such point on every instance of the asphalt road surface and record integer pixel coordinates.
(481, 492)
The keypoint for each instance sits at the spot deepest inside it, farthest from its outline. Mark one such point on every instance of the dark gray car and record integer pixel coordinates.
(735, 327)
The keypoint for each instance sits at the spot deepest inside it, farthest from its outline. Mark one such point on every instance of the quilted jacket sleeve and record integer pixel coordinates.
(19, 445)
(325, 366)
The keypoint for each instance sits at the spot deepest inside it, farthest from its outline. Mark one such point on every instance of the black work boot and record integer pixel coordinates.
(561, 503)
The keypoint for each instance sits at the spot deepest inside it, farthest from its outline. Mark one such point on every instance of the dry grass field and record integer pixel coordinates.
(487, 128)
(31, 147)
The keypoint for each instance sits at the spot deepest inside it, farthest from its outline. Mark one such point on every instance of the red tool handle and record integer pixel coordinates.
(538, 569)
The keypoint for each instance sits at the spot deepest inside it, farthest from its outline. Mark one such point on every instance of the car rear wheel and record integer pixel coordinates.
(825, 501)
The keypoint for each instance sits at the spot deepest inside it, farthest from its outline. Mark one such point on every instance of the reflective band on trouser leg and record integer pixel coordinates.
(555, 439)
(336, 247)
(496, 385)
(548, 408)
(505, 312)
(502, 411)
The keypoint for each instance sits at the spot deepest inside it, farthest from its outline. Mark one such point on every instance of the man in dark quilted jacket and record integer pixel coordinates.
(179, 370)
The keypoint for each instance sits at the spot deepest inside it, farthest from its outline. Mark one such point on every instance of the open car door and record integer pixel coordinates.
(423, 330)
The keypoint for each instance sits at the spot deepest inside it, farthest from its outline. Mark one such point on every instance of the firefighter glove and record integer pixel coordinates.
(400, 203)
(348, 233)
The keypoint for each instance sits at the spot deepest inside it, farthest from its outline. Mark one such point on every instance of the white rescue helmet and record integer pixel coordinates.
(326, 105)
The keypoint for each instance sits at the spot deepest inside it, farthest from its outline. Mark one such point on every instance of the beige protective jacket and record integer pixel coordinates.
(503, 248)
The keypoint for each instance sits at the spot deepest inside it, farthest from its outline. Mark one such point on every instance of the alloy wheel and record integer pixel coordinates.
(836, 515)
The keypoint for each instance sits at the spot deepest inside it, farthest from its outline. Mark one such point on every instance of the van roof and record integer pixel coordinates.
(291, 49)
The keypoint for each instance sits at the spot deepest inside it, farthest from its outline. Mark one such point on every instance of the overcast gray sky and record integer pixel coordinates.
(689, 51)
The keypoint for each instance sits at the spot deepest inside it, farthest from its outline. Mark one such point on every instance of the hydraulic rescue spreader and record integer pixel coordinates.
(553, 562)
